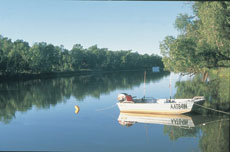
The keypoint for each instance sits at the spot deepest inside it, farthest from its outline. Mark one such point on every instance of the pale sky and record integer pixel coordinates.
(118, 25)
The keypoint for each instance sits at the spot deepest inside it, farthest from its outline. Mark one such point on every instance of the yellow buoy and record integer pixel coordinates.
(77, 109)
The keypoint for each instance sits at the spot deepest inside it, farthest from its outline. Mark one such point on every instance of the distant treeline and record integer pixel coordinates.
(19, 58)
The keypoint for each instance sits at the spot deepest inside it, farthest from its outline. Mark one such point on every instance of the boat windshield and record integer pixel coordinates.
(145, 100)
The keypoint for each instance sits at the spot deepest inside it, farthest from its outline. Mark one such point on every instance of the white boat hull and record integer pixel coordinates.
(129, 104)
(156, 108)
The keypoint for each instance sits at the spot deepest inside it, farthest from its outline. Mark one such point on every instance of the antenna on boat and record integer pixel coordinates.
(144, 82)
(170, 88)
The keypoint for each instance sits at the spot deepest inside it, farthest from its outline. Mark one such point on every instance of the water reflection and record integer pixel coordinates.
(213, 131)
(171, 120)
(183, 121)
(215, 136)
(215, 90)
(23, 95)
(61, 128)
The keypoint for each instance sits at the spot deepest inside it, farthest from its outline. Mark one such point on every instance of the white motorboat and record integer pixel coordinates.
(130, 104)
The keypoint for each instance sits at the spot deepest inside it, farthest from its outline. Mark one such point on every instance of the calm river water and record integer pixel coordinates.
(40, 115)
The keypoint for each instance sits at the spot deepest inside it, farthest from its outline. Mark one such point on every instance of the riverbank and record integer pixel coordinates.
(28, 76)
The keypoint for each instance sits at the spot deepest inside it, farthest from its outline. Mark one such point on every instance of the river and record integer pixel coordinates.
(40, 114)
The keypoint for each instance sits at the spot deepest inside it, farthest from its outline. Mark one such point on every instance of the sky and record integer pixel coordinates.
(116, 25)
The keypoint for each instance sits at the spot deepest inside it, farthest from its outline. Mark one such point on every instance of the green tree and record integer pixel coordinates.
(203, 42)
(65, 61)
(18, 61)
(5, 47)
(44, 58)
(78, 57)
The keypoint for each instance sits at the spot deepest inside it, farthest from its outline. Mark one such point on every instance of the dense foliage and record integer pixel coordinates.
(18, 57)
(204, 40)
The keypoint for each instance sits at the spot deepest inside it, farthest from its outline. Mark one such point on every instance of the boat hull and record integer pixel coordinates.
(156, 108)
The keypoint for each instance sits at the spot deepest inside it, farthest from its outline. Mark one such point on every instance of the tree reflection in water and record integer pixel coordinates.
(214, 135)
(23, 95)
(215, 132)
(215, 90)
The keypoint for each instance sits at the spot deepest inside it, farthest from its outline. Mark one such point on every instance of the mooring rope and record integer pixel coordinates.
(212, 109)
(203, 124)
(107, 108)
(213, 121)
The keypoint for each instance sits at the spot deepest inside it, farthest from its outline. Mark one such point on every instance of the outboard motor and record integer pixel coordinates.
(121, 97)
(124, 97)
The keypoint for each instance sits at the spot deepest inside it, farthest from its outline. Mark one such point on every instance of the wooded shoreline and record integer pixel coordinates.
(28, 76)
(18, 58)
